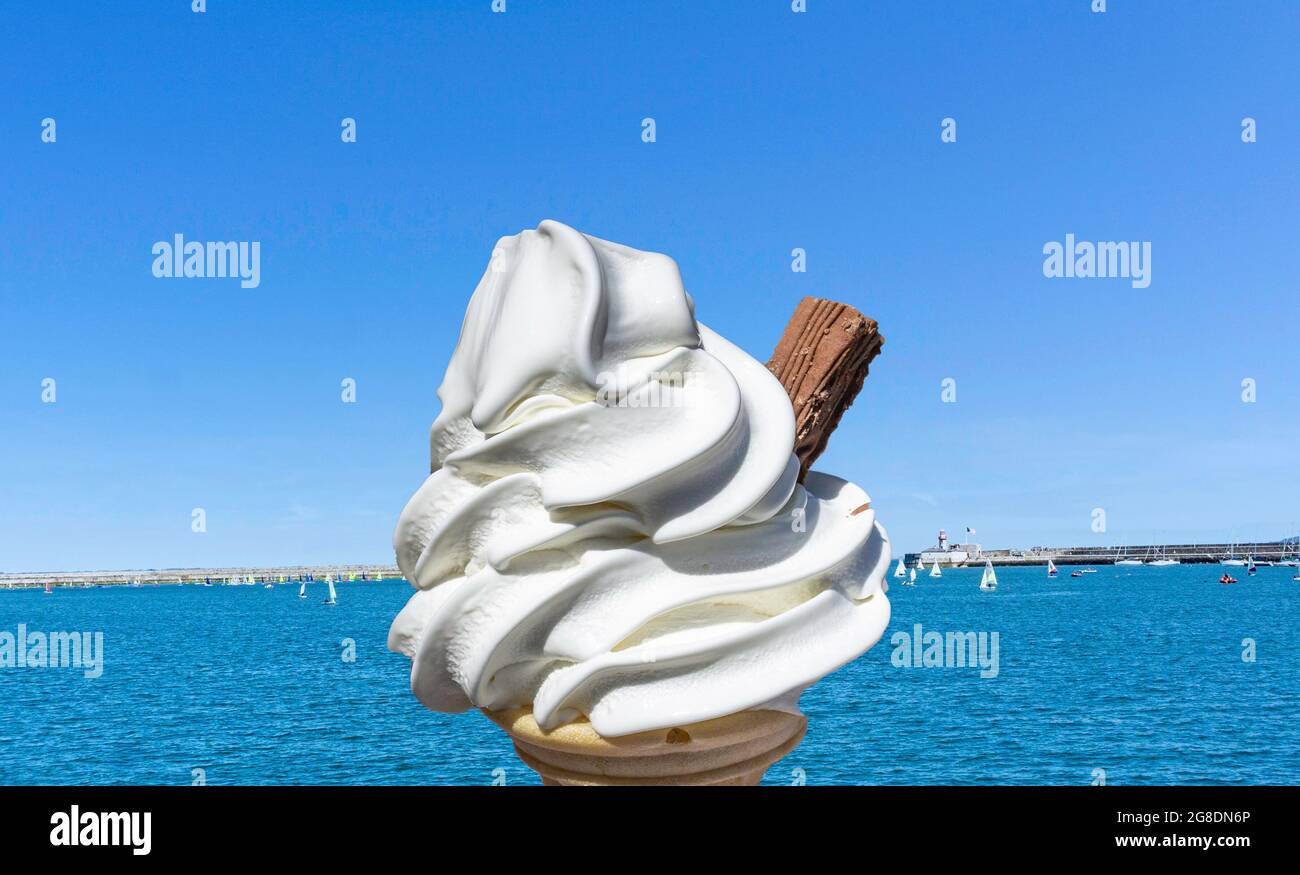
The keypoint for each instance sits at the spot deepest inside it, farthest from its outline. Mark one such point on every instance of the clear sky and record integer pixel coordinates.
(775, 130)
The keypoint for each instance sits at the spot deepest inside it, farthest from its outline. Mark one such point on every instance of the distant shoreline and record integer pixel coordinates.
(1283, 552)
(182, 576)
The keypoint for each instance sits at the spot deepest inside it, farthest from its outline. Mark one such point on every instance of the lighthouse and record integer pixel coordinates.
(943, 541)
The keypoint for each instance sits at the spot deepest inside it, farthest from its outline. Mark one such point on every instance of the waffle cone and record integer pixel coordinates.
(732, 750)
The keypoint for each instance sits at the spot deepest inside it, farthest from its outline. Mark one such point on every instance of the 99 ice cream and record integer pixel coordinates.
(613, 527)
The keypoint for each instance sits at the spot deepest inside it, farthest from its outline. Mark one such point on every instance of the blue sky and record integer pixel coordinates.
(775, 130)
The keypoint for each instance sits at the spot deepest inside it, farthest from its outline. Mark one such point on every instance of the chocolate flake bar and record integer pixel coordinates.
(822, 360)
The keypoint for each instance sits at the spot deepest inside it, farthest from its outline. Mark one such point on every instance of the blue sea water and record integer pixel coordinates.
(1134, 671)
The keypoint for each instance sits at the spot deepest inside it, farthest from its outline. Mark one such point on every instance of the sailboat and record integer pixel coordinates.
(911, 578)
(1162, 559)
(934, 570)
(333, 599)
(48, 591)
(302, 590)
(1051, 568)
(1250, 565)
(901, 570)
(920, 566)
(989, 581)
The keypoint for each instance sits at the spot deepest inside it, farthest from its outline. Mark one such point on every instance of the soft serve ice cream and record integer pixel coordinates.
(613, 526)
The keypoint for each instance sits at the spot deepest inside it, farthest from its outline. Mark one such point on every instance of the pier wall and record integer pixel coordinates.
(1188, 554)
(151, 576)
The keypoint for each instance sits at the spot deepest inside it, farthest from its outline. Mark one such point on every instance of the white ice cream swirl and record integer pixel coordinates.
(613, 526)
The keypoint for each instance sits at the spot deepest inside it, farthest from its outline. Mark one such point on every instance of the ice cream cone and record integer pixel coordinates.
(733, 750)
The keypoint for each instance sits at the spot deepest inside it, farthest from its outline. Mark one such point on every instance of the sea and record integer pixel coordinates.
(1132, 675)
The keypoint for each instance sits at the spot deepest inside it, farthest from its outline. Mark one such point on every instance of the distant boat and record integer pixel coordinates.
(1250, 565)
(269, 586)
(1232, 561)
(333, 599)
(989, 581)
(1051, 568)
(48, 591)
(302, 590)
(1162, 559)
(901, 570)
(920, 566)
(1089, 571)
(1076, 574)
(1129, 562)
(934, 570)
(911, 578)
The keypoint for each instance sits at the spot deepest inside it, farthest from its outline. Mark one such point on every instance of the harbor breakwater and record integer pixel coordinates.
(173, 576)
(1263, 553)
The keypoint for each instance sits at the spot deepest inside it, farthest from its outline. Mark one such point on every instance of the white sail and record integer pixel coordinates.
(333, 599)
(1051, 568)
(911, 576)
(989, 581)
(934, 570)
(302, 590)
(920, 566)
(901, 570)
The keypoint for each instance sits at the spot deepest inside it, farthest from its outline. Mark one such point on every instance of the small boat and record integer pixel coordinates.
(1250, 566)
(48, 591)
(989, 581)
(1076, 574)
(911, 578)
(1089, 571)
(920, 566)
(934, 570)
(1227, 578)
(1162, 560)
(901, 570)
(1129, 562)
(302, 590)
(268, 586)
(333, 599)
(1297, 576)
(1051, 568)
